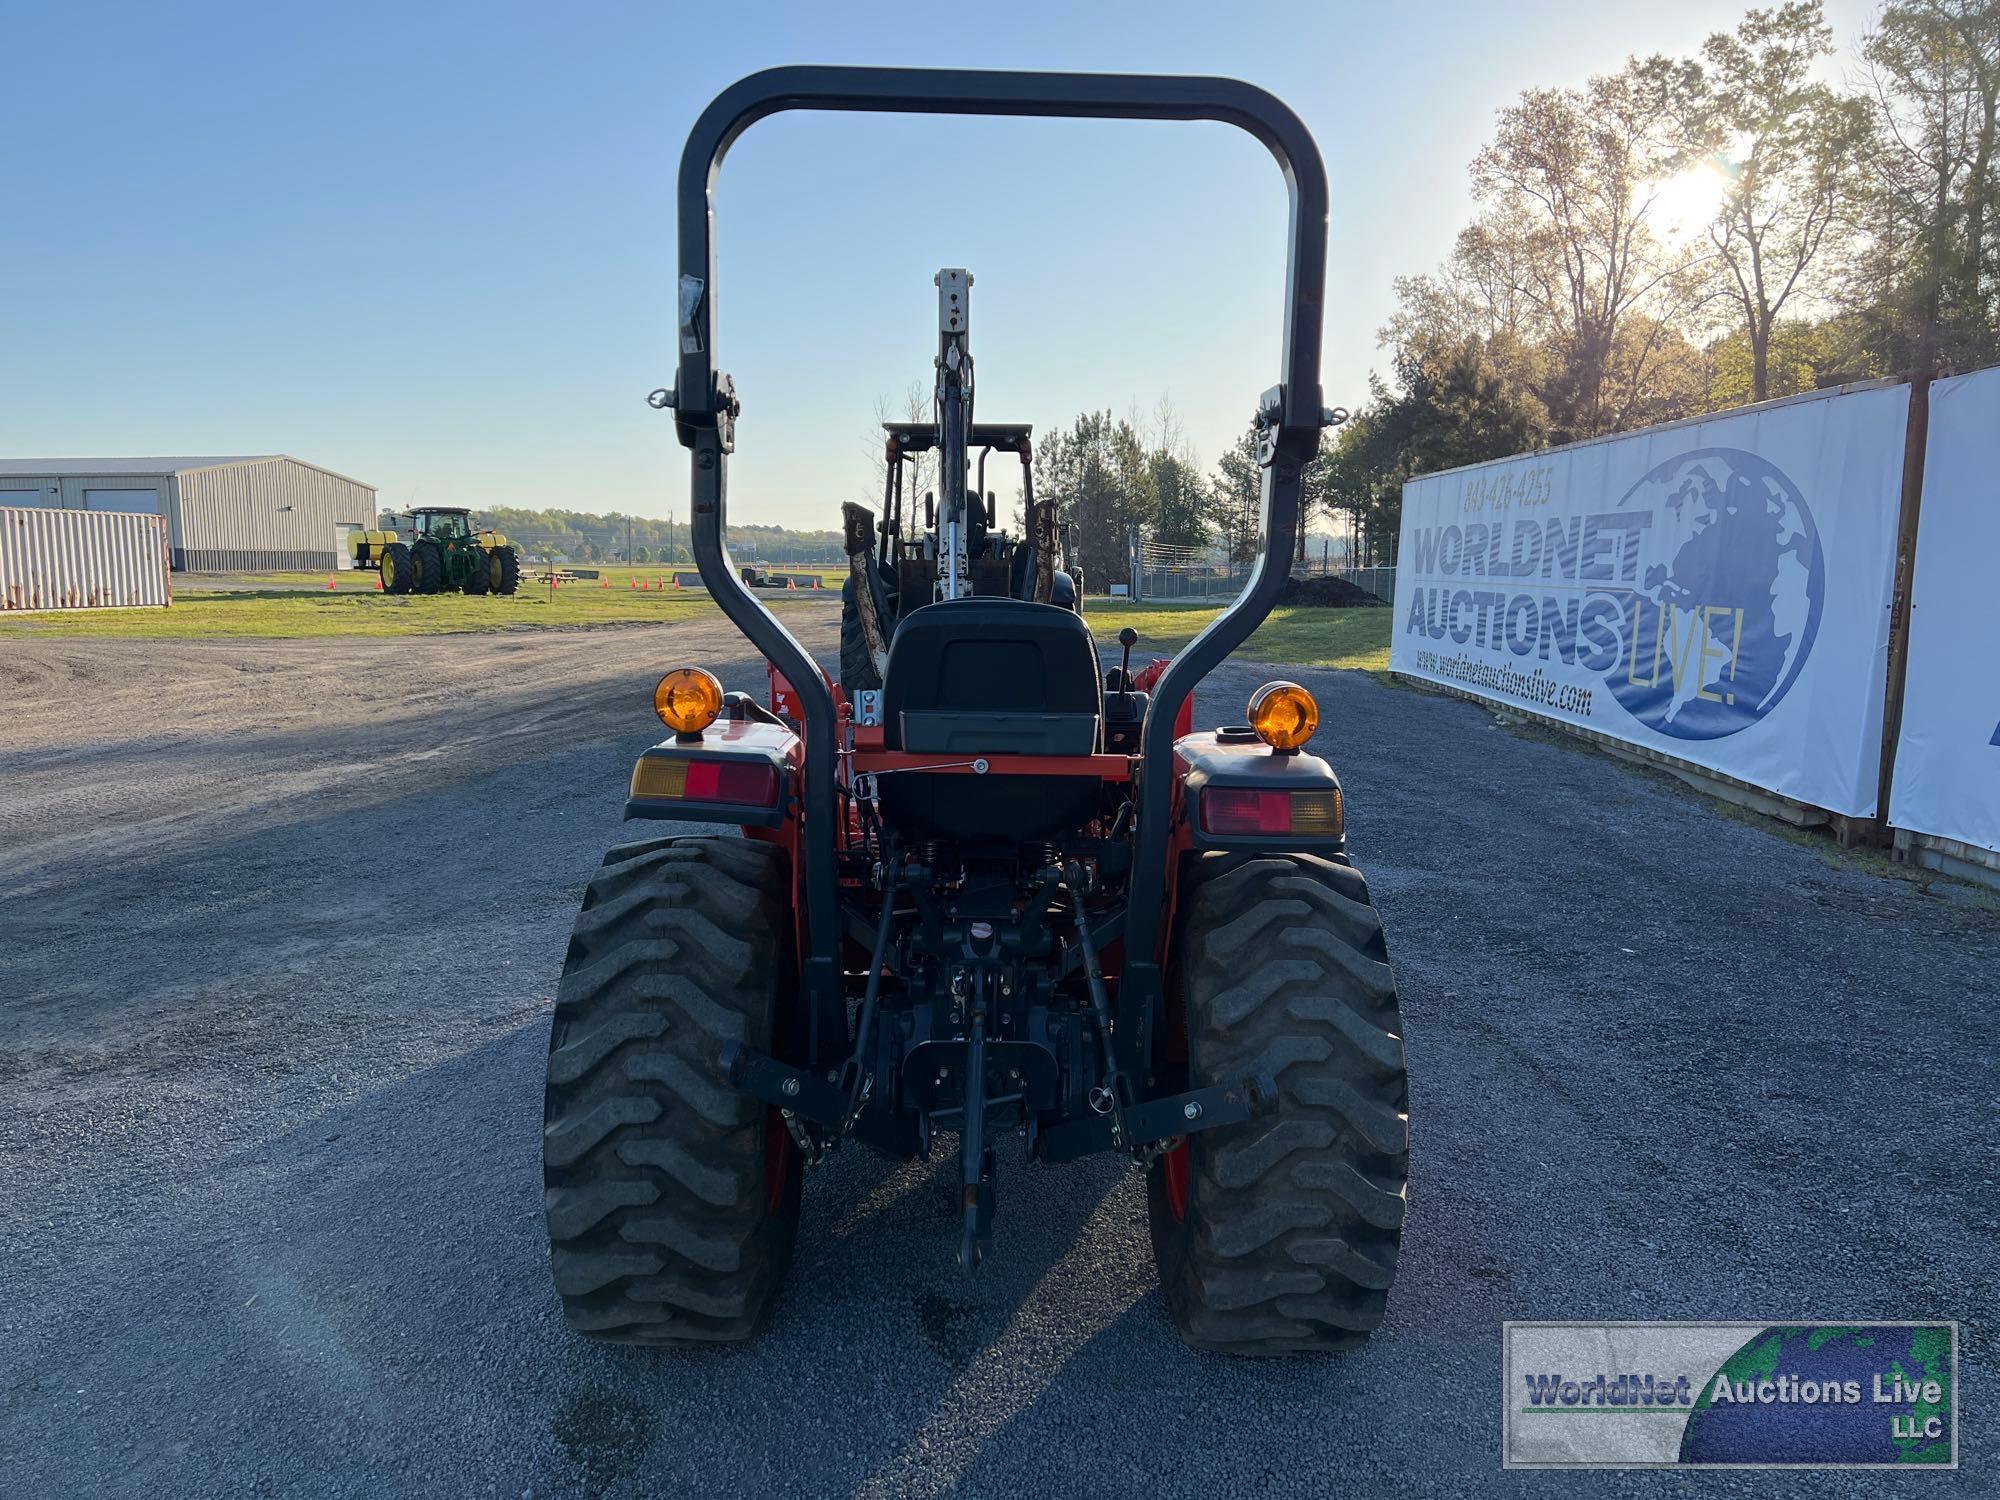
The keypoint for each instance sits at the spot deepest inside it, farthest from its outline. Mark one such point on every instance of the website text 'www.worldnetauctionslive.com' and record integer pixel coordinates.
(1535, 687)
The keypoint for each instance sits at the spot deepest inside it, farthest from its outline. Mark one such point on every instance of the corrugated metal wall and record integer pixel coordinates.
(78, 559)
(267, 514)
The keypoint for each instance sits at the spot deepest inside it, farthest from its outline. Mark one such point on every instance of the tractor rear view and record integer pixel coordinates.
(439, 552)
(982, 891)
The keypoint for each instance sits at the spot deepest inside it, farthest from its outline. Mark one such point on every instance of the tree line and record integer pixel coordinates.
(1683, 236)
(615, 537)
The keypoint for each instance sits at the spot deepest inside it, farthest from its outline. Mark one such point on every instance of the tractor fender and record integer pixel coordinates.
(1234, 760)
(749, 775)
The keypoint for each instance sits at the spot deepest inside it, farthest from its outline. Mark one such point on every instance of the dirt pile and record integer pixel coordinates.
(1329, 592)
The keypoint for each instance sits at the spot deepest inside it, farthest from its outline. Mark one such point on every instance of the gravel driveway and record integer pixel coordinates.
(279, 926)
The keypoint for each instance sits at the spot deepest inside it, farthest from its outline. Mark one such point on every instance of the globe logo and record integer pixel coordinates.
(1816, 1427)
(1731, 584)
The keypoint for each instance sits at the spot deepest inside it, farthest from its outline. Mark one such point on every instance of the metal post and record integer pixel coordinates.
(1916, 437)
(954, 405)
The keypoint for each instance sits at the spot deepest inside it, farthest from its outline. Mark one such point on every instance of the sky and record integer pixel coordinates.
(431, 246)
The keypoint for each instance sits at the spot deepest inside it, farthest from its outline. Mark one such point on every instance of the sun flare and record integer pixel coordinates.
(1687, 202)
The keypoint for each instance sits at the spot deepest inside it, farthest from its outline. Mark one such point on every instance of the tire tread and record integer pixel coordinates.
(1292, 1226)
(661, 1228)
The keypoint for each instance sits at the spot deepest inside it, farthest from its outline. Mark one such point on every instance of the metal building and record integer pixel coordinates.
(233, 514)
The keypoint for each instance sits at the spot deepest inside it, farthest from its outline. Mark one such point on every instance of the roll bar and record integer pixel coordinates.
(1289, 418)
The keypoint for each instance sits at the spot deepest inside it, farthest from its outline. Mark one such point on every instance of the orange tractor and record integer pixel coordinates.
(998, 891)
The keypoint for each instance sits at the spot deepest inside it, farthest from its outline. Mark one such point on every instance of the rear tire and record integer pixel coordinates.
(672, 1199)
(426, 568)
(1281, 1236)
(506, 570)
(398, 572)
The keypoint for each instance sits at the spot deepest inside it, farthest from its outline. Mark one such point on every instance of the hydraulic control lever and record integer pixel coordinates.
(1128, 638)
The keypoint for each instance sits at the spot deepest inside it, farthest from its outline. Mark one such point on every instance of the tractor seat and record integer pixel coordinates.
(991, 676)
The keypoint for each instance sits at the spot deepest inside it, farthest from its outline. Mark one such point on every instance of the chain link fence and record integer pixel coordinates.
(1167, 573)
(1381, 582)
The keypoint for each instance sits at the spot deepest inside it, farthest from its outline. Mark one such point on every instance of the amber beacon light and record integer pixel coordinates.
(1284, 715)
(687, 700)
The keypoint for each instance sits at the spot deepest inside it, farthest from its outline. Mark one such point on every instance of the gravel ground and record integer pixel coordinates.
(278, 935)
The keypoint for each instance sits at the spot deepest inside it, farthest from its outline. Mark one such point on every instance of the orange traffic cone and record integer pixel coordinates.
(792, 585)
(677, 583)
(378, 583)
(607, 583)
(633, 582)
(329, 583)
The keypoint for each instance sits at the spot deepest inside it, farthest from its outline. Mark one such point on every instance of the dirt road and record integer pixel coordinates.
(279, 925)
(366, 817)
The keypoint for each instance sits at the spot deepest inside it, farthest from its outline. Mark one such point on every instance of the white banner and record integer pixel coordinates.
(1948, 756)
(1717, 590)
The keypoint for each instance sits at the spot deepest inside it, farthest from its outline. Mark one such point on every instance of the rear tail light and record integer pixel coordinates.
(1256, 812)
(738, 783)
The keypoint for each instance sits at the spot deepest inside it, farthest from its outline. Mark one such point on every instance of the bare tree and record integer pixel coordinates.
(920, 473)
(1566, 245)
(1786, 152)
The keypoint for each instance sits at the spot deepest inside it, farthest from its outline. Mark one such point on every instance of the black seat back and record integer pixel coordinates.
(991, 676)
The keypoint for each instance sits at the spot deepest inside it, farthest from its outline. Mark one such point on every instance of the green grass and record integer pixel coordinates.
(1357, 639)
(1353, 638)
(346, 578)
(618, 574)
(293, 614)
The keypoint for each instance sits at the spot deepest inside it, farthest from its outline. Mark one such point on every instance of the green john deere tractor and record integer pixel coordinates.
(442, 554)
